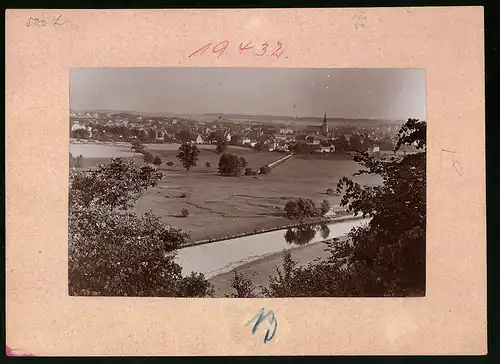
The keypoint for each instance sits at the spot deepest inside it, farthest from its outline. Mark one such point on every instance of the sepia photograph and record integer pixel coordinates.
(247, 182)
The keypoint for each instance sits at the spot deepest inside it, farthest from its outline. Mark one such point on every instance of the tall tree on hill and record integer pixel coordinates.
(188, 155)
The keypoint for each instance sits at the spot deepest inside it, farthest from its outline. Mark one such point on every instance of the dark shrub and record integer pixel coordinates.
(170, 164)
(265, 169)
(183, 195)
(330, 191)
(184, 212)
(248, 171)
(208, 165)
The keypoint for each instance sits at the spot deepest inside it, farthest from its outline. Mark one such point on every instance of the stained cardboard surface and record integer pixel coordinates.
(42, 319)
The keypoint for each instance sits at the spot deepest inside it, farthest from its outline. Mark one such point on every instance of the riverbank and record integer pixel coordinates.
(262, 269)
(327, 220)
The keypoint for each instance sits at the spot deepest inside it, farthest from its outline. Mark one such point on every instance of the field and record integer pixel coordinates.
(223, 206)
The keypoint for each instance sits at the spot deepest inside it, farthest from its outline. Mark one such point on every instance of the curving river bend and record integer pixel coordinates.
(222, 256)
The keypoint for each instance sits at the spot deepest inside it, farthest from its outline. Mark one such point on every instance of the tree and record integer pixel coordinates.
(388, 255)
(324, 207)
(221, 145)
(157, 161)
(385, 257)
(185, 136)
(148, 158)
(188, 155)
(242, 286)
(230, 165)
(113, 252)
(265, 170)
(243, 162)
(261, 146)
(355, 143)
(75, 162)
(301, 147)
(80, 134)
(301, 209)
(318, 279)
(137, 146)
(208, 165)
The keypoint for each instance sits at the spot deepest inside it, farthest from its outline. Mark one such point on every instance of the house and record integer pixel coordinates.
(199, 139)
(245, 140)
(222, 133)
(286, 131)
(312, 139)
(282, 146)
(326, 146)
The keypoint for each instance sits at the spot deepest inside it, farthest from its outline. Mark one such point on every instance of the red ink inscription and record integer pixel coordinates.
(277, 52)
(263, 49)
(202, 50)
(222, 49)
(246, 47)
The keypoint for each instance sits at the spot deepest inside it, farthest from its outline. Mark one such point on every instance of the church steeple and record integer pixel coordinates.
(324, 127)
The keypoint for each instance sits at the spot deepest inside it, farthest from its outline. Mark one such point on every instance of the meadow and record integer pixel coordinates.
(224, 206)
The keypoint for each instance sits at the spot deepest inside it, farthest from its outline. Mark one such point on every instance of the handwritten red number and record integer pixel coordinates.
(246, 47)
(275, 53)
(222, 49)
(202, 50)
(264, 49)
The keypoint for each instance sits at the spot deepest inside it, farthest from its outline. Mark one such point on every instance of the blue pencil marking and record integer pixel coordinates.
(259, 316)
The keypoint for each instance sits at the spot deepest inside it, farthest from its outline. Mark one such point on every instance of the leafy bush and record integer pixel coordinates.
(248, 171)
(170, 164)
(265, 169)
(221, 145)
(148, 157)
(301, 209)
(208, 165)
(243, 287)
(157, 161)
(76, 162)
(230, 165)
(243, 162)
(324, 207)
(330, 191)
(137, 146)
(184, 212)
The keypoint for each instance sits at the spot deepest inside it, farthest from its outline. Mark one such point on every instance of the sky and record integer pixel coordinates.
(388, 94)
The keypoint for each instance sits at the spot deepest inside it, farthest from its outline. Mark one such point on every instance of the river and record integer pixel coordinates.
(221, 257)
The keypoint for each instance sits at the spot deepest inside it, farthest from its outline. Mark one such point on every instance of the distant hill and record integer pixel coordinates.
(251, 118)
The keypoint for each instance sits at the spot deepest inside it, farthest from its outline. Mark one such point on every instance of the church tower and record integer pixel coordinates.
(324, 127)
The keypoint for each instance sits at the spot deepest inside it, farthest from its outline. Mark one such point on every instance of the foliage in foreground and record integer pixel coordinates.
(113, 252)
